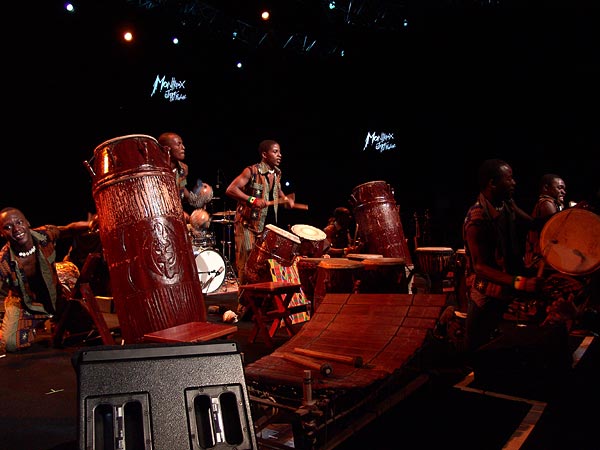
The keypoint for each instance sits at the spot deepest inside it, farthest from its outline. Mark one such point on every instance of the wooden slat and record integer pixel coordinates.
(385, 330)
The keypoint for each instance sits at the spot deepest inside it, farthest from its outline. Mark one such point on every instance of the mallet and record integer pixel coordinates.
(323, 368)
(356, 361)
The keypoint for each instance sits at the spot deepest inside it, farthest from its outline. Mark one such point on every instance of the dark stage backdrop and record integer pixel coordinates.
(419, 108)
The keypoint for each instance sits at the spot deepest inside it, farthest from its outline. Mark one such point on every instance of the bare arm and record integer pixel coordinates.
(74, 228)
(482, 257)
(236, 192)
(548, 209)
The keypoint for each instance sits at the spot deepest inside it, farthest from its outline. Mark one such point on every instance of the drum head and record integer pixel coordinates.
(384, 262)
(442, 250)
(292, 237)
(126, 137)
(211, 270)
(363, 256)
(308, 232)
(570, 241)
(340, 263)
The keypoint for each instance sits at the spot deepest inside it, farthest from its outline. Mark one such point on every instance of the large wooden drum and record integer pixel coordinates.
(146, 245)
(307, 272)
(336, 275)
(378, 219)
(384, 276)
(570, 241)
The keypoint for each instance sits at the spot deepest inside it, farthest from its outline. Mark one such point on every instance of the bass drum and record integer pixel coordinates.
(211, 269)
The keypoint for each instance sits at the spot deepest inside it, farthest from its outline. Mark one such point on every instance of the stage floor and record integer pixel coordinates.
(451, 410)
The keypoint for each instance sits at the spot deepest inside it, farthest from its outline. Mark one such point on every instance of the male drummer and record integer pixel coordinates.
(202, 193)
(340, 233)
(494, 263)
(257, 190)
(29, 284)
(552, 191)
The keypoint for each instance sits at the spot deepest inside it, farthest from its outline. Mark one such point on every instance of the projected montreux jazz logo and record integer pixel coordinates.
(171, 90)
(380, 142)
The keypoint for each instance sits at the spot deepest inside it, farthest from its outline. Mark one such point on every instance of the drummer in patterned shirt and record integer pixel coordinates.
(494, 264)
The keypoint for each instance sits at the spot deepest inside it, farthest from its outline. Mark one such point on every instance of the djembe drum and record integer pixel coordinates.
(384, 276)
(433, 262)
(307, 272)
(336, 275)
(313, 242)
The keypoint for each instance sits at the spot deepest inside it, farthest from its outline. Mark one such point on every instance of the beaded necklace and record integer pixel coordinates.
(29, 252)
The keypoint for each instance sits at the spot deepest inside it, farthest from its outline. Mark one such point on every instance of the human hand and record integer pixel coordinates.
(289, 201)
(94, 223)
(351, 249)
(531, 284)
(259, 203)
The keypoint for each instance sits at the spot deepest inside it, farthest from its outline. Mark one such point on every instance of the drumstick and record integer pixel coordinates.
(303, 206)
(324, 368)
(285, 200)
(356, 361)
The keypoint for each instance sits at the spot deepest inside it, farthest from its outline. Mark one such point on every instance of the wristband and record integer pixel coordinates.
(251, 200)
(519, 283)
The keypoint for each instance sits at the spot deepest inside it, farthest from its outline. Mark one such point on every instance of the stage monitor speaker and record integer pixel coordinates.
(163, 397)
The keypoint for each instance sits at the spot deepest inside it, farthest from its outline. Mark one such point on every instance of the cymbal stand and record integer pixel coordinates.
(226, 242)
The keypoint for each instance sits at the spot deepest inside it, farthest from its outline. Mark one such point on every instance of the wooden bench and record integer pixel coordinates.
(269, 303)
(192, 332)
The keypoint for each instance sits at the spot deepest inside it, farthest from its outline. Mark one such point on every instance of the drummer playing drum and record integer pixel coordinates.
(339, 234)
(257, 190)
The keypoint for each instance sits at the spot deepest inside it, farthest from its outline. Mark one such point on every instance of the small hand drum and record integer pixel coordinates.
(434, 261)
(312, 240)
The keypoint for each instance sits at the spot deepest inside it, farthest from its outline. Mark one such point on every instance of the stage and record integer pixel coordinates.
(533, 405)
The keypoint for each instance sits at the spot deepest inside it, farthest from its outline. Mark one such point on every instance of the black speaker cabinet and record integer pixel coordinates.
(163, 397)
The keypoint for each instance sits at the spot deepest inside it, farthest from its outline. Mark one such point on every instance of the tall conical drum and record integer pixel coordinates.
(153, 276)
(378, 218)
